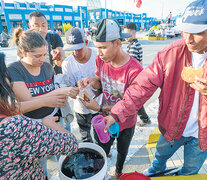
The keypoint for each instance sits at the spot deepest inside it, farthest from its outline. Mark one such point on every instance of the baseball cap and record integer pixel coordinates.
(108, 30)
(75, 39)
(194, 19)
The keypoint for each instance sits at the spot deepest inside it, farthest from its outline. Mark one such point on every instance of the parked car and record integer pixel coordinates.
(151, 34)
(177, 32)
(170, 33)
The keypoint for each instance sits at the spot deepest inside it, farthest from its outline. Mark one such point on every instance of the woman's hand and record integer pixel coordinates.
(71, 91)
(50, 122)
(54, 100)
(92, 104)
(200, 85)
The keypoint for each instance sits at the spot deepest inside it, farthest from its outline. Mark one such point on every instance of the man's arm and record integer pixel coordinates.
(58, 55)
(142, 88)
(57, 49)
(93, 105)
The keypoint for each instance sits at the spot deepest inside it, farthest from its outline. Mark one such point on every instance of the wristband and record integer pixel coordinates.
(101, 108)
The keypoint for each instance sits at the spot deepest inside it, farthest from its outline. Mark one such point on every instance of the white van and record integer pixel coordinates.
(169, 31)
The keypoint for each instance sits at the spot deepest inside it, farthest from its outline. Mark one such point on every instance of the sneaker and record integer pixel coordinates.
(117, 175)
(144, 122)
(151, 171)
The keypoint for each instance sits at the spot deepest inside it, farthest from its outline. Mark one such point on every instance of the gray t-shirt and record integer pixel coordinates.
(37, 85)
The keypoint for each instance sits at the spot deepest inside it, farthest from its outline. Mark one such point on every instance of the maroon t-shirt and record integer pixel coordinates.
(115, 81)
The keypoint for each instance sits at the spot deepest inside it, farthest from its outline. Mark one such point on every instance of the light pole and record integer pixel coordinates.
(162, 10)
(81, 19)
(105, 9)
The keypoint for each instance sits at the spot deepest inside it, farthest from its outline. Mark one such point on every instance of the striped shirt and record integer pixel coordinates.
(134, 49)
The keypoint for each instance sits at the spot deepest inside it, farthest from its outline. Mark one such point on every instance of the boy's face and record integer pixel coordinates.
(131, 32)
(80, 54)
(106, 50)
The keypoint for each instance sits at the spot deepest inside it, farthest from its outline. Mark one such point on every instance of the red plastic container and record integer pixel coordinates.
(134, 176)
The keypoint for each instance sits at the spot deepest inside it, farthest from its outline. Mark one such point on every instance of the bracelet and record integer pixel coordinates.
(101, 108)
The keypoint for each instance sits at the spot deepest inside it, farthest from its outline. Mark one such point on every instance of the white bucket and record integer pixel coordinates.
(101, 175)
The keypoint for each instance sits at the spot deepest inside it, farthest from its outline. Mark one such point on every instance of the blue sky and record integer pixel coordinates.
(153, 8)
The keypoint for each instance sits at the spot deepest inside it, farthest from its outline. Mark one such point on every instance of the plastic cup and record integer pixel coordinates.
(99, 125)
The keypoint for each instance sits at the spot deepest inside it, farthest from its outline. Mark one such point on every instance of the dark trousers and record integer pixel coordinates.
(123, 142)
(142, 114)
(168, 21)
(84, 122)
(57, 69)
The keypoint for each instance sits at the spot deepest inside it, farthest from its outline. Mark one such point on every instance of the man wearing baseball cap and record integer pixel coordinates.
(182, 116)
(115, 71)
(80, 64)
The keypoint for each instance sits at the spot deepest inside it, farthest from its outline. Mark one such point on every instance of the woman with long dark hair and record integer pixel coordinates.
(7, 99)
(23, 141)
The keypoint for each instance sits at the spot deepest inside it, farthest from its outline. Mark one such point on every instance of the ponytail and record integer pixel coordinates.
(27, 40)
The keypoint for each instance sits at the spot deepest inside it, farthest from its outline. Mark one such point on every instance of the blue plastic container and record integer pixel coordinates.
(114, 130)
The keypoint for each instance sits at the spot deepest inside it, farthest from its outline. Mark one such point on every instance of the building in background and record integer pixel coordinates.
(16, 14)
(93, 4)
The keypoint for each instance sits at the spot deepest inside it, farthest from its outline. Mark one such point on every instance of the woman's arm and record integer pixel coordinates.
(50, 122)
(55, 98)
(35, 140)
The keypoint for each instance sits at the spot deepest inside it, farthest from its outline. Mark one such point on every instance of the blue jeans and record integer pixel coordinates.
(193, 156)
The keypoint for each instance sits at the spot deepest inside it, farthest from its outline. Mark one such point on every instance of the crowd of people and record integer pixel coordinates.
(30, 103)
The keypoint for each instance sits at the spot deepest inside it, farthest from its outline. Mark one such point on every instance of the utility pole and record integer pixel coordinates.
(2, 4)
(105, 9)
(81, 19)
(162, 10)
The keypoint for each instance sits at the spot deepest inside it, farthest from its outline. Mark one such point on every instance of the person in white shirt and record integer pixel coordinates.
(80, 64)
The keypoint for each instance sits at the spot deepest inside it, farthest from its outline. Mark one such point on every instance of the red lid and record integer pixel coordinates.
(134, 176)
